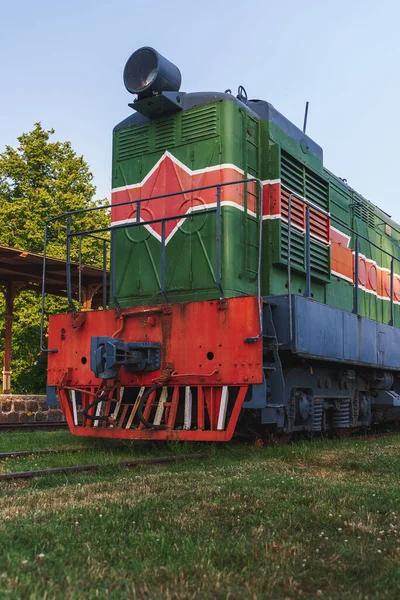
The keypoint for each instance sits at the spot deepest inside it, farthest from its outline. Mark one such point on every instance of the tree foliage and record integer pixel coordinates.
(41, 179)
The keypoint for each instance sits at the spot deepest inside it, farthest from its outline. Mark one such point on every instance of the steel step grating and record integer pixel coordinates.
(188, 408)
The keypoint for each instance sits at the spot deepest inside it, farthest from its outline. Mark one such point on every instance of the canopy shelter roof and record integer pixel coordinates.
(22, 270)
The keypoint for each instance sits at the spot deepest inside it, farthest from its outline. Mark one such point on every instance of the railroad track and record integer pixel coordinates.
(91, 467)
(23, 453)
(41, 426)
(375, 435)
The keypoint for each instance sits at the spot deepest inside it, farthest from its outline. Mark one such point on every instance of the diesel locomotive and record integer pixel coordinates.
(251, 290)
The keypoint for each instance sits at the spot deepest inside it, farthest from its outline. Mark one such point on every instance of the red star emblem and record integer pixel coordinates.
(167, 177)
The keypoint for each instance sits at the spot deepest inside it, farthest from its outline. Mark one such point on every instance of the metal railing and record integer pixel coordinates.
(357, 237)
(136, 222)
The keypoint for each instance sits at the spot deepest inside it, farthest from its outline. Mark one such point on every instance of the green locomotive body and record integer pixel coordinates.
(241, 141)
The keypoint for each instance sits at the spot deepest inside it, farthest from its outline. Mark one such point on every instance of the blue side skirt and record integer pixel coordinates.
(317, 331)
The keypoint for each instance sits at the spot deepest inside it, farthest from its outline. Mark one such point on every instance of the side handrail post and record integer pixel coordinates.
(112, 261)
(307, 292)
(162, 278)
(138, 205)
(218, 244)
(391, 322)
(260, 203)
(356, 256)
(289, 267)
(80, 274)
(68, 265)
(104, 274)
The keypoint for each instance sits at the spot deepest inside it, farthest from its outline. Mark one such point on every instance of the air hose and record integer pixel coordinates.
(139, 412)
(95, 402)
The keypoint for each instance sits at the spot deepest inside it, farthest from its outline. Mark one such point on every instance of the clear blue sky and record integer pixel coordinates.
(61, 63)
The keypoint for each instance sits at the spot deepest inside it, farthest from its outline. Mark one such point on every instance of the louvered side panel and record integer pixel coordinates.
(199, 124)
(298, 179)
(296, 247)
(296, 209)
(292, 173)
(320, 260)
(364, 212)
(319, 225)
(316, 190)
(301, 180)
(165, 134)
(133, 142)
(319, 254)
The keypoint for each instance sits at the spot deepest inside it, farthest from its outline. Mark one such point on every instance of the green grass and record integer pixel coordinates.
(309, 520)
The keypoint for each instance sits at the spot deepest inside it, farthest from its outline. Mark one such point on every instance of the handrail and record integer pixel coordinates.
(337, 220)
(252, 340)
(149, 198)
(357, 237)
(292, 195)
(218, 245)
(147, 222)
(105, 273)
(140, 222)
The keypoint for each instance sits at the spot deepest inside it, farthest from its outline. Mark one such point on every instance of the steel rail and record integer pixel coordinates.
(96, 467)
(22, 453)
(32, 426)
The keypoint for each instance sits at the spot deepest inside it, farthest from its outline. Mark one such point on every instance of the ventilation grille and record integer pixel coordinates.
(199, 124)
(133, 142)
(303, 181)
(319, 259)
(364, 212)
(292, 174)
(316, 190)
(319, 223)
(165, 134)
(296, 247)
(160, 135)
(319, 254)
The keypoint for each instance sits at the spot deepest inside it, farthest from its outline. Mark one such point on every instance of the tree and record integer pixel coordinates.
(40, 179)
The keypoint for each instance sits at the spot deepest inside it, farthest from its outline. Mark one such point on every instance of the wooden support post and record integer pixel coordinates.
(9, 298)
(88, 293)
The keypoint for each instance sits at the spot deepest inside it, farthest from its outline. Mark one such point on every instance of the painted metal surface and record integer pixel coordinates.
(196, 248)
(210, 418)
(280, 152)
(328, 333)
(203, 352)
(175, 255)
(201, 342)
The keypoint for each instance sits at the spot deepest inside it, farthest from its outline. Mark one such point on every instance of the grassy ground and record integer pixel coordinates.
(309, 520)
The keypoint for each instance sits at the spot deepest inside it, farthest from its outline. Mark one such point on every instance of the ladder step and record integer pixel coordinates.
(188, 408)
(160, 406)
(135, 407)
